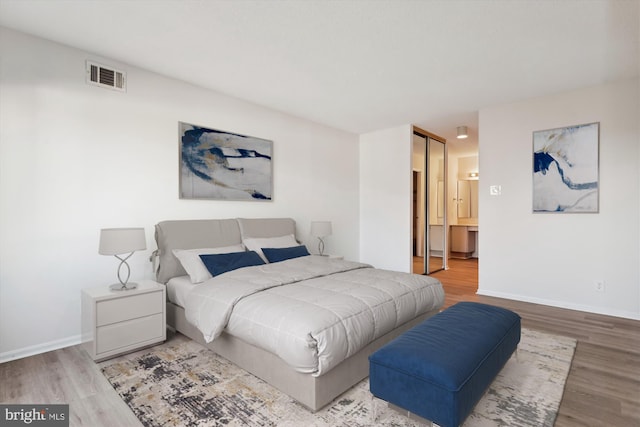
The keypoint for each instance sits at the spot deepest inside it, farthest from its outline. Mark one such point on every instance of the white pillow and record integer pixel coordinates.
(193, 265)
(256, 244)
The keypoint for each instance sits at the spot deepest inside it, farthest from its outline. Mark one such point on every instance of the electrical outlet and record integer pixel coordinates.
(599, 285)
(495, 190)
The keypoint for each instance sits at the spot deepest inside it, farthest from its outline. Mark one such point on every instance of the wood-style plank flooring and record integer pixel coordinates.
(603, 387)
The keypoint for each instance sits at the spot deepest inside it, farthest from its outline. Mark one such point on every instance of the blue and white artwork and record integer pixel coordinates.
(224, 166)
(565, 169)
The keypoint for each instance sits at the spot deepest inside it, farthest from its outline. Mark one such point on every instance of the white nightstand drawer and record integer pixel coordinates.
(135, 331)
(128, 307)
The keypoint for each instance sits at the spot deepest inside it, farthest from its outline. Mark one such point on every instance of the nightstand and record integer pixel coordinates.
(117, 322)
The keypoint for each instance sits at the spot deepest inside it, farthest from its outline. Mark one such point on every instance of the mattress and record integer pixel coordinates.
(178, 288)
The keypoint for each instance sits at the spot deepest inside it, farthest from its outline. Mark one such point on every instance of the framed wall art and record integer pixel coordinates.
(219, 165)
(565, 169)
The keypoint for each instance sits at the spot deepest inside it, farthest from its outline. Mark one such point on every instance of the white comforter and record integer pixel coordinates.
(313, 312)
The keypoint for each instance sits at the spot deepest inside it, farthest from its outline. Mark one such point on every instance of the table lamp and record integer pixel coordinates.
(120, 241)
(321, 229)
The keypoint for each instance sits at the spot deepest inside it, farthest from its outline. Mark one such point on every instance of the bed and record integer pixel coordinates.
(314, 358)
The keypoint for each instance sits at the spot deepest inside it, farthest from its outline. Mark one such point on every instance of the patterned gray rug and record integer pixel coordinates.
(184, 384)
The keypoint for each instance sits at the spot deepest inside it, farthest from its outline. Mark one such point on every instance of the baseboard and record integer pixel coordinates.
(559, 304)
(40, 348)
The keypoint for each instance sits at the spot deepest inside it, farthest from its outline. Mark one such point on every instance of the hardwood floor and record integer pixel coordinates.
(603, 387)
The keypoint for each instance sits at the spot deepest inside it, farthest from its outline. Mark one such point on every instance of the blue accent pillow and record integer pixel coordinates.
(282, 254)
(222, 263)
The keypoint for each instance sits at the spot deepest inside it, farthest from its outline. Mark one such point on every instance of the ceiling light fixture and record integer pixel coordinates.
(462, 132)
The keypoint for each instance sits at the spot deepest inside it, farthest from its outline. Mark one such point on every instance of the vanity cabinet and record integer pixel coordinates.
(463, 240)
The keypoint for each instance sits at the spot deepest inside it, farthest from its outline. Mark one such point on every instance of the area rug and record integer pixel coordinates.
(185, 384)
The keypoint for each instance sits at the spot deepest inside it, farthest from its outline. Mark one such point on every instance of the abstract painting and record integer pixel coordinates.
(565, 169)
(220, 165)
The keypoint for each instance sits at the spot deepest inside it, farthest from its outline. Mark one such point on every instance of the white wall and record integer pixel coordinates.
(75, 158)
(556, 258)
(385, 198)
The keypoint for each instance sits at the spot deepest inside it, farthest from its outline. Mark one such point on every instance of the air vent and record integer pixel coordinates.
(108, 77)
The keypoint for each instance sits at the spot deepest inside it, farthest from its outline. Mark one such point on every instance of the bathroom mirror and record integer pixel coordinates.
(467, 199)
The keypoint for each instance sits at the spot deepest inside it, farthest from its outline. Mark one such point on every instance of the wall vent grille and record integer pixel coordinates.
(107, 77)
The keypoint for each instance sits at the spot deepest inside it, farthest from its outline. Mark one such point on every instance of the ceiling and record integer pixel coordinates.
(357, 65)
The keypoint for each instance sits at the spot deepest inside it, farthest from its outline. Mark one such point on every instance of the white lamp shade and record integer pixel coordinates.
(321, 228)
(116, 241)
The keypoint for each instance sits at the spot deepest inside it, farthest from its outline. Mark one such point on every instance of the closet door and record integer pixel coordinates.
(436, 208)
(429, 204)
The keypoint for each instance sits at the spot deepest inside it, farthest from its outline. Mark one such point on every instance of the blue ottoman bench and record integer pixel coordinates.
(441, 368)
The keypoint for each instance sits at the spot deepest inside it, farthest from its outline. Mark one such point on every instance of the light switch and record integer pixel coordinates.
(495, 190)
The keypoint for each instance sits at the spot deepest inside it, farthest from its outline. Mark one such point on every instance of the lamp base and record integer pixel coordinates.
(126, 287)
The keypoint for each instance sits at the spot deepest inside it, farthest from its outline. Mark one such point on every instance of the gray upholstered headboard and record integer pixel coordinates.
(266, 227)
(210, 233)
